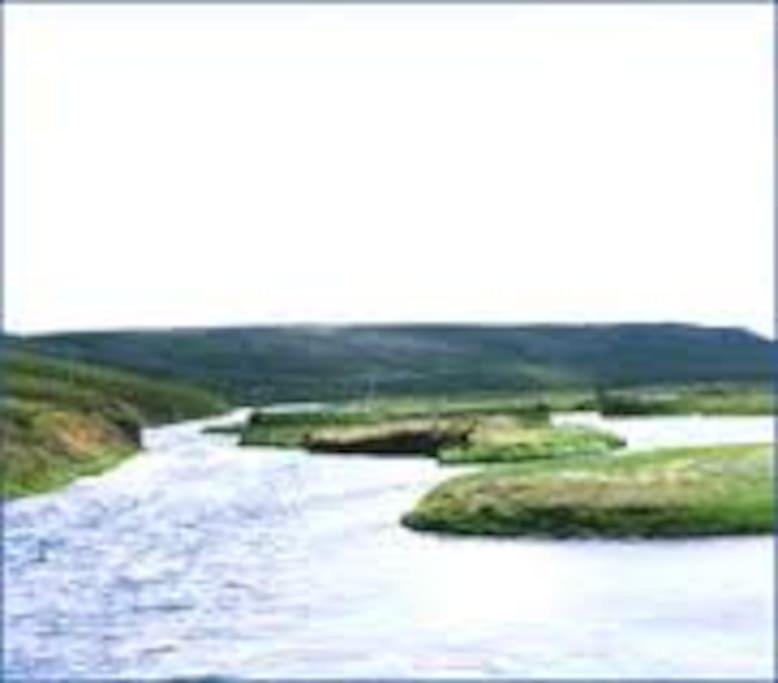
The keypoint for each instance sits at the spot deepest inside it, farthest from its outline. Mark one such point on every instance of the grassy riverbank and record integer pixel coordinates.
(437, 423)
(61, 420)
(664, 493)
(704, 399)
(291, 429)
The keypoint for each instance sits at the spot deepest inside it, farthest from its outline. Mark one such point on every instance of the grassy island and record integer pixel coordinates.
(399, 437)
(342, 427)
(499, 440)
(344, 421)
(453, 433)
(664, 493)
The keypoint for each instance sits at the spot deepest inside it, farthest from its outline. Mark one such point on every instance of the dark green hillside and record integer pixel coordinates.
(62, 419)
(317, 362)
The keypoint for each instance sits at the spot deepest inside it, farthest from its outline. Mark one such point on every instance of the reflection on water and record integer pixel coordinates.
(200, 558)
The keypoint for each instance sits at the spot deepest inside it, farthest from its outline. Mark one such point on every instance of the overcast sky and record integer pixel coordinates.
(208, 165)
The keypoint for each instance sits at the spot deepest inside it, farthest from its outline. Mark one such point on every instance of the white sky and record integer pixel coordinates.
(206, 165)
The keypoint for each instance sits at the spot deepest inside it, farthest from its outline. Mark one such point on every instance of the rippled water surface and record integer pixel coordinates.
(198, 558)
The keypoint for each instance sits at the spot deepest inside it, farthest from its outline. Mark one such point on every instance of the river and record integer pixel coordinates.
(201, 558)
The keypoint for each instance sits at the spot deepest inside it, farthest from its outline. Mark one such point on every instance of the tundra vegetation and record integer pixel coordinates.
(498, 440)
(542, 480)
(498, 426)
(712, 398)
(452, 432)
(700, 399)
(663, 493)
(459, 394)
(253, 365)
(61, 419)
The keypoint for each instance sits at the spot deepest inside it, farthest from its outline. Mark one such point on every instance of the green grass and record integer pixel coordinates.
(665, 493)
(494, 441)
(702, 399)
(454, 432)
(292, 429)
(60, 420)
(343, 423)
(525, 405)
(316, 363)
(82, 386)
(43, 457)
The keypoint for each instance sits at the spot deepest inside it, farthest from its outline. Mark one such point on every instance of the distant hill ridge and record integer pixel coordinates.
(309, 362)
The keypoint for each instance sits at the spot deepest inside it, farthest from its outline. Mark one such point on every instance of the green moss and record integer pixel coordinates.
(665, 493)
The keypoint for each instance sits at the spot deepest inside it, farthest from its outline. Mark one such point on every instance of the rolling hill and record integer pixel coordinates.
(310, 362)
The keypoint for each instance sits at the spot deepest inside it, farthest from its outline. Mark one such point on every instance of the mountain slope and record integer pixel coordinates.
(318, 362)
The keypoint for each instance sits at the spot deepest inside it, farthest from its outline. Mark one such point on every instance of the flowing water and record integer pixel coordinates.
(201, 558)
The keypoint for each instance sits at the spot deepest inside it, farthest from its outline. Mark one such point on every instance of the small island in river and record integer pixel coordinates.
(537, 478)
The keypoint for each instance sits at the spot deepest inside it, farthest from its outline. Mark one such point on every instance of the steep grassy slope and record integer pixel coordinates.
(60, 419)
(315, 362)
